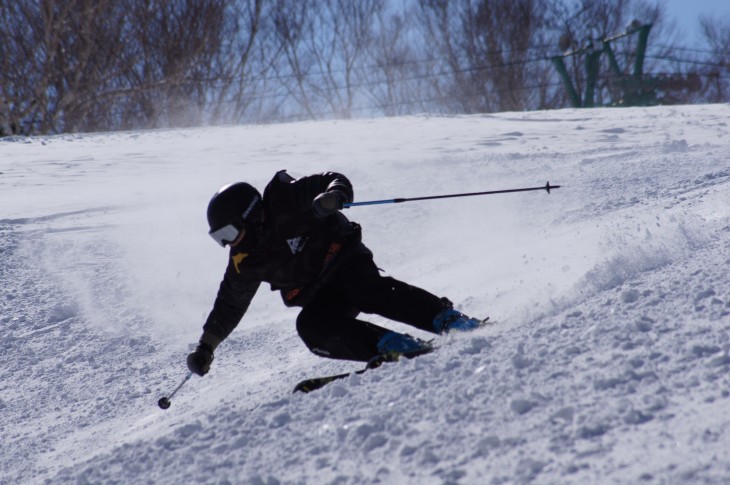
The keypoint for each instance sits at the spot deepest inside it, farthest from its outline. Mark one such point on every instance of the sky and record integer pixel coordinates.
(687, 13)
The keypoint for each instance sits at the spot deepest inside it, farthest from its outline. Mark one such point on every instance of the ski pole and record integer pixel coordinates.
(164, 402)
(546, 187)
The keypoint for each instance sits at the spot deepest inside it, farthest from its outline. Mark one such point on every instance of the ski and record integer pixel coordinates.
(309, 385)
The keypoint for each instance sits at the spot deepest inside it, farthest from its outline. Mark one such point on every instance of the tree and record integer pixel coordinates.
(396, 71)
(488, 51)
(716, 33)
(83, 65)
(51, 60)
(324, 45)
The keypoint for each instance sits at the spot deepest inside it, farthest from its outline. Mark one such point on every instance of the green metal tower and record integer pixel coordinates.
(636, 91)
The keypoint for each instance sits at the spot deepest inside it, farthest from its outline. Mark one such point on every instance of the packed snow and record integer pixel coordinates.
(607, 362)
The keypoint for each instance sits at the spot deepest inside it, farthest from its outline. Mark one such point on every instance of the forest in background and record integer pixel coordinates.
(71, 66)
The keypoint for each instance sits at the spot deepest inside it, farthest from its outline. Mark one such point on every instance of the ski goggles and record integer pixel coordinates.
(227, 234)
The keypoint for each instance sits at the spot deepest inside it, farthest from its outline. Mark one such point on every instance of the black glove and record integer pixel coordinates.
(200, 359)
(327, 203)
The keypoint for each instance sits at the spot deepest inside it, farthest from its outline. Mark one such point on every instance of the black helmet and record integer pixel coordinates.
(233, 208)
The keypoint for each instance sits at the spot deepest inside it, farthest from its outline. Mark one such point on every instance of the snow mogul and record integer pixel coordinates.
(296, 239)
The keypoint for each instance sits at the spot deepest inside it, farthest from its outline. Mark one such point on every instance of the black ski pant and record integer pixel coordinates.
(329, 326)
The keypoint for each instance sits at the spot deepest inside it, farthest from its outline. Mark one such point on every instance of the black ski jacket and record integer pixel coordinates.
(294, 251)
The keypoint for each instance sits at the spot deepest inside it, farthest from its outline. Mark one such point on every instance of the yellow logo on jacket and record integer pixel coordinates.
(237, 258)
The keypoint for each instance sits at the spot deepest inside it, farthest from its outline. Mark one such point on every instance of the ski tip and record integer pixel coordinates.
(310, 385)
(303, 387)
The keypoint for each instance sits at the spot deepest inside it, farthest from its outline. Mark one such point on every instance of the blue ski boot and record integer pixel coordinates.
(393, 345)
(401, 343)
(449, 319)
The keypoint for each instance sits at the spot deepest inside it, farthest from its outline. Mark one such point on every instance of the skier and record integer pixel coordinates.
(296, 239)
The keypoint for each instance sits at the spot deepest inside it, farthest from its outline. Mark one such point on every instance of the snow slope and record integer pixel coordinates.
(608, 364)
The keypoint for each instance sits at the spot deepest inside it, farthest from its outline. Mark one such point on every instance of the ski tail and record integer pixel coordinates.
(309, 385)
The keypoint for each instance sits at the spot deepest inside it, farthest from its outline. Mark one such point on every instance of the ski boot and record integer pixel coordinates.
(394, 345)
(449, 319)
(401, 343)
